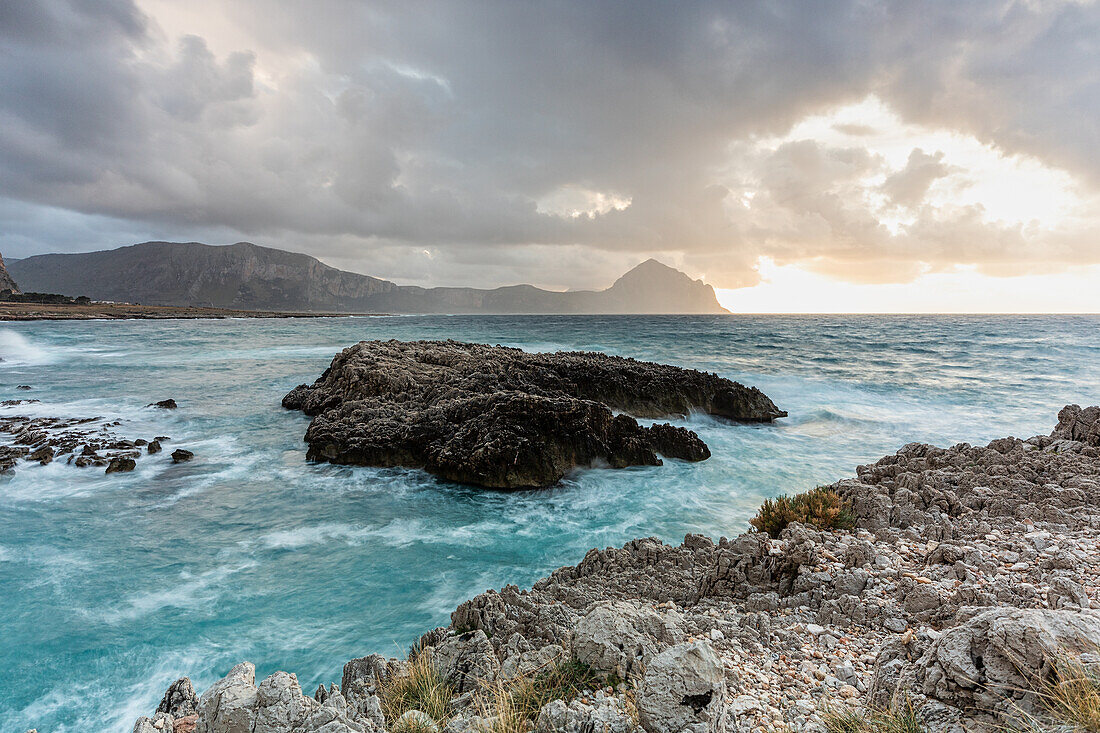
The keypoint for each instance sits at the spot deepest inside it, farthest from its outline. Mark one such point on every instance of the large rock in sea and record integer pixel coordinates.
(503, 418)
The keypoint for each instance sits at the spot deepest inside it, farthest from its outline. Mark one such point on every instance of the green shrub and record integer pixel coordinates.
(564, 680)
(821, 507)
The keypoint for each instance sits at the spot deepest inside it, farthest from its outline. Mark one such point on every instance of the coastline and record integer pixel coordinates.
(967, 570)
(127, 311)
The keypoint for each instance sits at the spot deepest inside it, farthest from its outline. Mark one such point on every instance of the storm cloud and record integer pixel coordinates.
(559, 143)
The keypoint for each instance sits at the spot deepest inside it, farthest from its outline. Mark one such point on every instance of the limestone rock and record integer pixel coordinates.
(607, 715)
(683, 689)
(1078, 424)
(466, 660)
(1000, 653)
(333, 716)
(415, 721)
(620, 637)
(159, 723)
(280, 704)
(229, 705)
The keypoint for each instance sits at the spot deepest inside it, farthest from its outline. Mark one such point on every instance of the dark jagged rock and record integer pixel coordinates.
(153, 447)
(1078, 424)
(80, 442)
(179, 455)
(503, 418)
(43, 455)
(121, 464)
(180, 699)
(168, 404)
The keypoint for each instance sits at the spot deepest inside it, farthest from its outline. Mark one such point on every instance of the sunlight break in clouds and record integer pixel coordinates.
(788, 288)
(907, 176)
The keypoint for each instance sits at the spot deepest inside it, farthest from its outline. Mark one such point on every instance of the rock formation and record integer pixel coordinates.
(6, 281)
(249, 277)
(503, 418)
(80, 441)
(970, 569)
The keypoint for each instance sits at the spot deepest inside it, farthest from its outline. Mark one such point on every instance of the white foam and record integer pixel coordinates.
(193, 592)
(17, 350)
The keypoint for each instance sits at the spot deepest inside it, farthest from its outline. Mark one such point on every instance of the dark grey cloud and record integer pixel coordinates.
(421, 140)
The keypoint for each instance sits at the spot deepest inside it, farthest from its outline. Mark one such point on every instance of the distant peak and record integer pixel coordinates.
(651, 269)
(652, 264)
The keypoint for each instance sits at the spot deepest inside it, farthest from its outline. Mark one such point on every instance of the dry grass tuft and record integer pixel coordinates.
(423, 689)
(820, 507)
(499, 711)
(1071, 695)
(902, 719)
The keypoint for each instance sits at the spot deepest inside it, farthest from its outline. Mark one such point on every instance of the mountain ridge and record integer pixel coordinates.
(248, 276)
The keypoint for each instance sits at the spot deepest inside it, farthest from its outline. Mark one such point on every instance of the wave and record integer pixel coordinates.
(193, 592)
(17, 350)
(396, 533)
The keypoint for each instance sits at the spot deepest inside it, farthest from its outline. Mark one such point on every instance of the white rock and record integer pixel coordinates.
(683, 689)
(229, 705)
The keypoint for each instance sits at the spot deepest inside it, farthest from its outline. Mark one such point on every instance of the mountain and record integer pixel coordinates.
(6, 281)
(249, 277)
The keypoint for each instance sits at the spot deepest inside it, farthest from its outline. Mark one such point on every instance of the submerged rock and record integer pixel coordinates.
(76, 441)
(504, 418)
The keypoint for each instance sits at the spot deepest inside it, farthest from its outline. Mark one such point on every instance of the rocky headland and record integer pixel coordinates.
(245, 276)
(504, 418)
(964, 580)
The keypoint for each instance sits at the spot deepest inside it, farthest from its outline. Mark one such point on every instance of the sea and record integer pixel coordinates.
(112, 586)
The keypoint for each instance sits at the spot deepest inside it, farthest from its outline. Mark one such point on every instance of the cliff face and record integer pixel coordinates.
(250, 277)
(6, 281)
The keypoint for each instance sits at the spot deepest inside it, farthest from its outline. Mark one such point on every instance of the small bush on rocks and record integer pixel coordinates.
(820, 507)
(423, 688)
(562, 681)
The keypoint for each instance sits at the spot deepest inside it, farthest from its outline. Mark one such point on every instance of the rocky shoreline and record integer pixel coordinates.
(967, 574)
(80, 442)
(503, 418)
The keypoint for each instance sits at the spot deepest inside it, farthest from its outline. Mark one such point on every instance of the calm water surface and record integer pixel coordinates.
(113, 586)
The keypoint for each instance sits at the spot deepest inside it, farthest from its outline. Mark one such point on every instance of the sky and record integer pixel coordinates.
(801, 157)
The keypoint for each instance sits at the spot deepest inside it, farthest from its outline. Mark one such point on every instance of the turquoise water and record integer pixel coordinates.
(113, 586)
